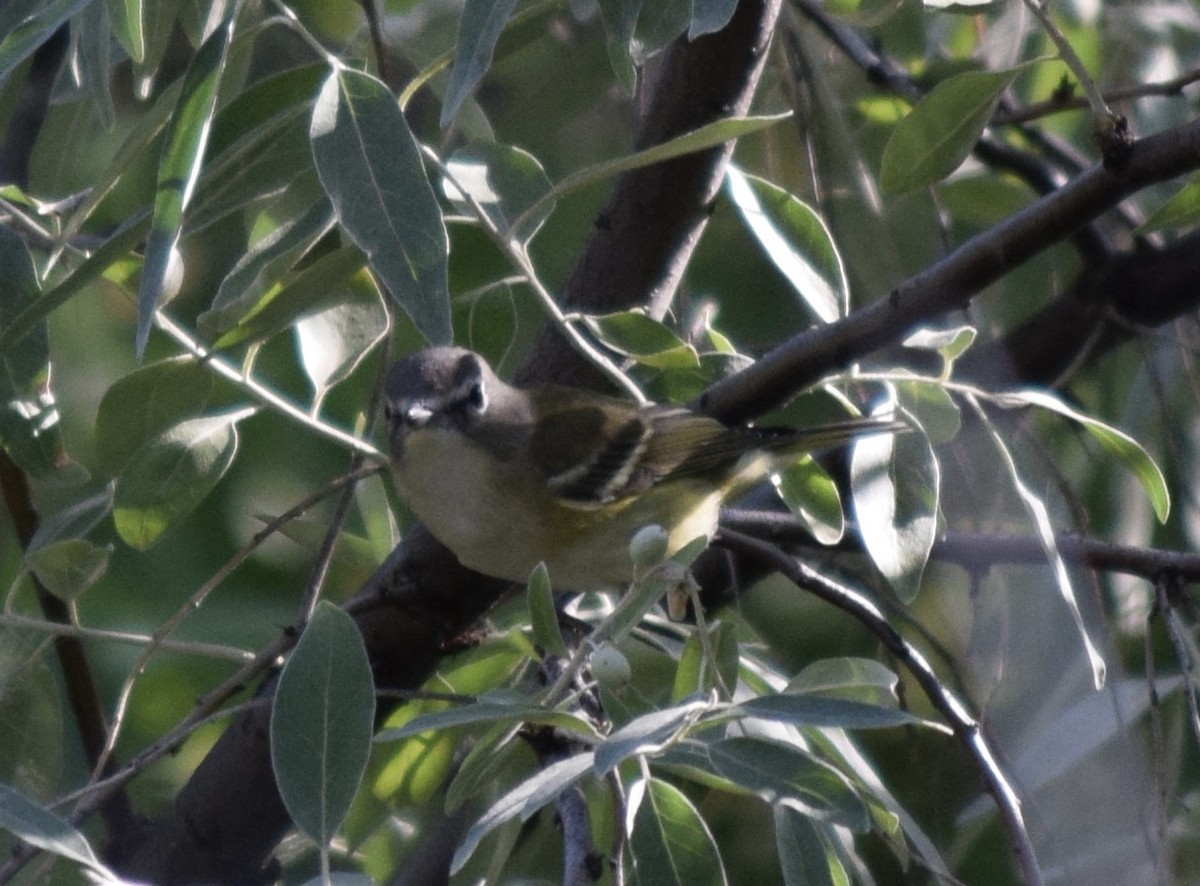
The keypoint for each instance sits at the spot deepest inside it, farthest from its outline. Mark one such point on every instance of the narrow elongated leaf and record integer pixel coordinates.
(1117, 443)
(939, 133)
(795, 240)
(857, 679)
(244, 284)
(168, 476)
(178, 170)
(543, 615)
(780, 770)
(707, 136)
(522, 801)
(816, 710)
(487, 711)
(27, 24)
(895, 483)
(126, 18)
(325, 282)
(321, 722)
(479, 27)
(1040, 516)
(1181, 210)
(145, 403)
(648, 733)
(371, 169)
(39, 827)
(671, 845)
(620, 19)
(694, 674)
(803, 855)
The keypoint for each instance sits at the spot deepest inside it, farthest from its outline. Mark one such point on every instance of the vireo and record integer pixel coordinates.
(506, 477)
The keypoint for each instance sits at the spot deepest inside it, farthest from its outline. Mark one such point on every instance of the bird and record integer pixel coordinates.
(508, 477)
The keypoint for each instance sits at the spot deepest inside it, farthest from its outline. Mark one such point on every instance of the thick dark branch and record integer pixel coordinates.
(950, 284)
(644, 236)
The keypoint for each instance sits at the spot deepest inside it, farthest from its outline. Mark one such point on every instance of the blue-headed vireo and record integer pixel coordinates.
(506, 477)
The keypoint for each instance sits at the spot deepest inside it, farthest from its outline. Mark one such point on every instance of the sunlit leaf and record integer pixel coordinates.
(126, 19)
(635, 334)
(670, 844)
(795, 240)
(857, 679)
(504, 181)
(1181, 210)
(694, 674)
(648, 733)
(321, 722)
(479, 27)
(147, 402)
(169, 475)
(932, 406)
(333, 342)
(813, 498)
(819, 710)
(178, 169)
(1115, 442)
(895, 482)
(1039, 514)
(490, 709)
(939, 133)
(371, 169)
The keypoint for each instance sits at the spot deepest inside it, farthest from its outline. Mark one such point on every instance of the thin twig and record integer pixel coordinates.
(966, 728)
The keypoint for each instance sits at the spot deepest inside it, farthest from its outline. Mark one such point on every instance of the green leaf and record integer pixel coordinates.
(69, 567)
(73, 521)
(126, 19)
(806, 858)
(949, 343)
(370, 167)
(523, 801)
(168, 476)
(695, 675)
(145, 403)
(479, 27)
(795, 240)
(670, 844)
(660, 22)
(648, 733)
(27, 24)
(707, 136)
(813, 498)
(710, 16)
(1040, 516)
(895, 482)
(41, 828)
(29, 420)
(857, 679)
(818, 710)
(620, 20)
(324, 282)
(244, 285)
(932, 406)
(779, 770)
(492, 708)
(504, 181)
(1116, 443)
(939, 133)
(543, 614)
(321, 722)
(1182, 210)
(637, 335)
(333, 342)
(178, 169)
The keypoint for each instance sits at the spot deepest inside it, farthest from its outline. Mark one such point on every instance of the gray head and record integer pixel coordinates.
(439, 386)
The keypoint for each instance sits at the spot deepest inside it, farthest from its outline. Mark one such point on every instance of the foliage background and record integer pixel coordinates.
(1108, 780)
